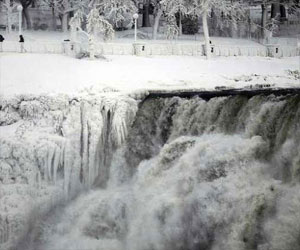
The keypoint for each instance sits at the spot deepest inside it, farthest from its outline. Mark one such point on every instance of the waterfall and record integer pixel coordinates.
(174, 174)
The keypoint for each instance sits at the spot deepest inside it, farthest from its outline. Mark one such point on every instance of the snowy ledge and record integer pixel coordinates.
(223, 91)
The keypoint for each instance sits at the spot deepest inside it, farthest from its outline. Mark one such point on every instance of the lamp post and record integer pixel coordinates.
(20, 8)
(135, 17)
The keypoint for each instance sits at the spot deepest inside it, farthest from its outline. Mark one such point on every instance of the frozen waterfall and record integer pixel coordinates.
(52, 148)
(162, 174)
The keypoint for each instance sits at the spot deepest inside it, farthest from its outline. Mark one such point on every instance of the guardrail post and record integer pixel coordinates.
(273, 50)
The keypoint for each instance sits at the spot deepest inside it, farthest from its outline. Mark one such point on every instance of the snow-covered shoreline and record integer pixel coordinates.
(58, 74)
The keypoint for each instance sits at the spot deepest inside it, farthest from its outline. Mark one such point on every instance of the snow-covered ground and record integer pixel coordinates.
(36, 74)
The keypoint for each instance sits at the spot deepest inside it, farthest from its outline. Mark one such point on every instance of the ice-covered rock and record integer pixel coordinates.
(51, 148)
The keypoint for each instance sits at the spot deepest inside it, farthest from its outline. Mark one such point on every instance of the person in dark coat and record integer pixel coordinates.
(21, 41)
(1, 42)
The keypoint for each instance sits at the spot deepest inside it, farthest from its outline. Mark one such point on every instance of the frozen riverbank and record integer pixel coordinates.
(36, 74)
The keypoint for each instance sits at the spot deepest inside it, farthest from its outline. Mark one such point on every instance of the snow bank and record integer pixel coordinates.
(36, 74)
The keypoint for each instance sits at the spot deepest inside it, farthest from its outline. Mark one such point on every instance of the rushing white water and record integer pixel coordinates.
(193, 174)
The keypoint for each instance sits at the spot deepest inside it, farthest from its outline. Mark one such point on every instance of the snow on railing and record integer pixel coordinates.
(288, 51)
(114, 48)
(35, 47)
(226, 50)
(153, 49)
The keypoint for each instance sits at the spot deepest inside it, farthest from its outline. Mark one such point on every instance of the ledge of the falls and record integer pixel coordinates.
(222, 91)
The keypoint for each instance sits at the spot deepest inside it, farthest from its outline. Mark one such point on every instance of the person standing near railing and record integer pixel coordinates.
(1, 42)
(21, 41)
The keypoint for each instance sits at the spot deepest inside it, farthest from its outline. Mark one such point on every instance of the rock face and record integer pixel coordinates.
(176, 173)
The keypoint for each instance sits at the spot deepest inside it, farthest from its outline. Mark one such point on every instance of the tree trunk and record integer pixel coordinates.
(180, 23)
(156, 23)
(233, 29)
(275, 11)
(65, 22)
(206, 34)
(283, 12)
(54, 25)
(24, 24)
(214, 24)
(263, 21)
(8, 13)
(27, 18)
(9, 21)
(146, 15)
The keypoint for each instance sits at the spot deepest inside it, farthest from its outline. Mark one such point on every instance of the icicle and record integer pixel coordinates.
(56, 163)
(39, 179)
(84, 144)
(67, 168)
(123, 114)
(94, 136)
(49, 162)
(3, 230)
(62, 154)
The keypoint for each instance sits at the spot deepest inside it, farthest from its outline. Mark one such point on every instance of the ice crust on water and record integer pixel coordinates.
(192, 174)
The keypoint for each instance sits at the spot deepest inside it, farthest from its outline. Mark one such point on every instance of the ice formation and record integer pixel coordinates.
(178, 174)
(52, 147)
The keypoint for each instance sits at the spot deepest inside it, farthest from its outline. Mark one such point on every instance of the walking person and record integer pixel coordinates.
(1, 42)
(21, 41)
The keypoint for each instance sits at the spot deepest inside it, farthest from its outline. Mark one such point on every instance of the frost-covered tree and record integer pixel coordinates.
(76, 23)
(64, 7)
(116, 11)
(9, 6)
(95, 24)
(170, 8)
(267, 26)
(176, 7)
(172, 30)
(231, 9)
(158, 12)
(25, 4)
(146, 5)
(150, 7)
